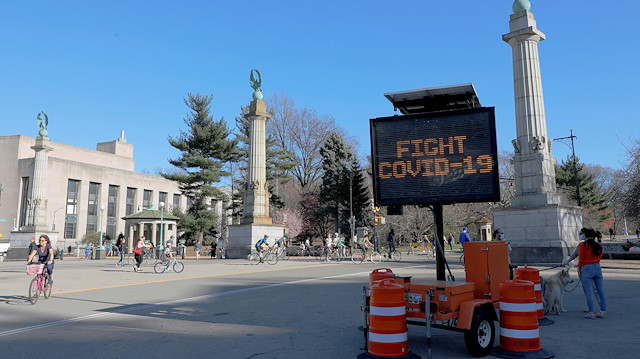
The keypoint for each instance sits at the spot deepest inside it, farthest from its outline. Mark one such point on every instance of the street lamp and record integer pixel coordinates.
(101, 211)
(53, 225)
(160, 245)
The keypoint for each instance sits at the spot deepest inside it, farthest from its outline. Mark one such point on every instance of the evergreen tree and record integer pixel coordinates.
(204, 148)
(591, 196)
(336, 164)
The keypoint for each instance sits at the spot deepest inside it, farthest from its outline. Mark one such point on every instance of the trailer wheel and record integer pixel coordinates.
(479, 339)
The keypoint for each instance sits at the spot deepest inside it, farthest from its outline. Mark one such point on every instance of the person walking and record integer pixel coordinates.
(590, 253)
(197, 248)
(138, 251)
(464, 236)
(451, 240)
(120, 244)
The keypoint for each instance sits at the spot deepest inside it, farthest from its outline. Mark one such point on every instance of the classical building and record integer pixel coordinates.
(85, 189)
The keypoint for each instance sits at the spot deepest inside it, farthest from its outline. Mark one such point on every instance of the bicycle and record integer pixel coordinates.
(40, 283)
(462, 259)
(282, 253)
(395, 255)
(148, 257)
(171, 264)
(429, 253)
(267, 256)
(125, 260)
(360, 256)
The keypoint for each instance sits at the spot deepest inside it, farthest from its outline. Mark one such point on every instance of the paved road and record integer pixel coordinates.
(230, 309)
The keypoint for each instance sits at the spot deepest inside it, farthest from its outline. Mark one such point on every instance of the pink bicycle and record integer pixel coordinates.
(40, 283)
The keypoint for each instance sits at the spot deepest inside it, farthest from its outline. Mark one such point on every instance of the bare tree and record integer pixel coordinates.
(302, 132)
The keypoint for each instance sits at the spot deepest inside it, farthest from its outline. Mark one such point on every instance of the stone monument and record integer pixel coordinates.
(255, 222)
(36, 221)
(541, 230)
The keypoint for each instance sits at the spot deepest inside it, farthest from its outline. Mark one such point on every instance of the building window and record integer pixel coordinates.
(93, 206)
(146, 199)
(71, 210)
(188, 202)
(131, 201)
(24, 200)
(176, 201)
(162, 198)
(112, 211)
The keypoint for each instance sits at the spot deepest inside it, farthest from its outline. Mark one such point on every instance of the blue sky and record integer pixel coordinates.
(99, 67)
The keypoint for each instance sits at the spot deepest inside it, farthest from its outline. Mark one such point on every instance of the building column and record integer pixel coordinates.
(130, 238)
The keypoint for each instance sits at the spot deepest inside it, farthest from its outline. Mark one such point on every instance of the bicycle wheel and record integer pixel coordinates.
(284, 255)
(131, 260)
(357, 257)
(462, 259)
(34, 290)
(254, 258)
(47, 289)
(271, 258)
(159, 267)
(148, 259)
(319, 253)
(430, 254)
(396, 255)
(178, 267)
(376, 257)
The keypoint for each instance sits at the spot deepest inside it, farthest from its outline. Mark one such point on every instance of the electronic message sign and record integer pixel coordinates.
(435, 158)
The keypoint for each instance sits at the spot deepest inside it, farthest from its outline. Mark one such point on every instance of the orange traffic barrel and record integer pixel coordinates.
(533, 275)
(519, 331)
(380, 274)
(387, 322)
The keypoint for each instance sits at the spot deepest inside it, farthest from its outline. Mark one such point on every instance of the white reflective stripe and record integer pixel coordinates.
(537, 287)
(387, 311)
(388, 338)
(520, 334)
(539, 306)
(518, 307)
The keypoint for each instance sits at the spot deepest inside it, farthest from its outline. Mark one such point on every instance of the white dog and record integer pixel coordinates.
(553, 291)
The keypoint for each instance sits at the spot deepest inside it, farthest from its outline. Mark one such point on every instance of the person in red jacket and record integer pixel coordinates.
(589, 255)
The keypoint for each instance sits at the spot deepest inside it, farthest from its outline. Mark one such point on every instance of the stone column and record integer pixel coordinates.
(533, 163)
(256, 198)
(540, 229)
(38, 200)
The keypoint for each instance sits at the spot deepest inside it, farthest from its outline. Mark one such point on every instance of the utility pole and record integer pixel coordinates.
(575, 166)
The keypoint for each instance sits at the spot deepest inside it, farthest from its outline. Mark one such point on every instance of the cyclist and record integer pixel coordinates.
(262, 245)
(391, 241)
(339, 245)
(280, 245)
(366, 243)
(45, 255)
(167, 254)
